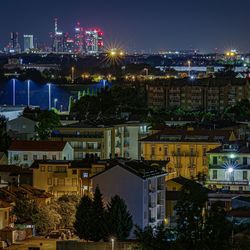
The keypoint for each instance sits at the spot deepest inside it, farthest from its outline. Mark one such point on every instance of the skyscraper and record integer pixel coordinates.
(94, 41)
(14, 45)
(28, 43)
(79, 39)
(58, 40)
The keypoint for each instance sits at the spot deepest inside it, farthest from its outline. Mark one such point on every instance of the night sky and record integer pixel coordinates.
(148, 25)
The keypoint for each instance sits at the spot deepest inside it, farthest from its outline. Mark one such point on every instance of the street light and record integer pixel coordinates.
(14, 92)
(28, 90)
(113, 243)
(49, 84)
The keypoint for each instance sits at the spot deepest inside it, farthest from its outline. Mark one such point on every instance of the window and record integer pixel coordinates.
(5, 215)
(85, 175)
(74, 182)
(25, 157)
(214, 174)
(165, 151)
(34, 157)
(61, 182)
(54, 157)
(153, 150)
(204, 151)
(50, 168)
(44, 157)
(74, 171)
(61, 169)
(15, 157)
(215, 160)
(245, 177)
(244, 161)
(50, 181)
(204, 161)
(42, 168)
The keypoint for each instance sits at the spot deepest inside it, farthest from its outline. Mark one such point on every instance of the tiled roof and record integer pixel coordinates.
(84, 163)
(37, 146)
(14, 169)
(139, 168)
(197, 135)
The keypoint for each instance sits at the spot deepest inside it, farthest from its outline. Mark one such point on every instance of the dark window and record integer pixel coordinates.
(74, 171)
(245, 175)
(214, 174)
(244, 160)
(215, 160)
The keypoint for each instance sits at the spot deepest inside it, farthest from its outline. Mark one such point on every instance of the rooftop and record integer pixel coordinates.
(197, 135)
(139, 168)
(37, 146)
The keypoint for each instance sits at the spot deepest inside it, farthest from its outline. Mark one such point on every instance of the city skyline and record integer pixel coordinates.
(141, 26)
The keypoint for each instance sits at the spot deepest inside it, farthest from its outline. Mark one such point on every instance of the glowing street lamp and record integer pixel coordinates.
(28, 90)
(113, 243)
(230, 170)
(49, 85)
(14, 91)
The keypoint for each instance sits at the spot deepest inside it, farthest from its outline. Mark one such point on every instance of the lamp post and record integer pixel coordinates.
(113, 243)
(189, 68)
(28, 90)
(49, 84)
(14, 91)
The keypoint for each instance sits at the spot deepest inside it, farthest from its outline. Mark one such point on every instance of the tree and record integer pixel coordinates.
(66, 208)
(98, 216)
(217, 230)
(153, 239)
(24, 210)
(117, 219)
(189, 210)
(47, 122)
(47, 218)
(83, 221)
(4, 137)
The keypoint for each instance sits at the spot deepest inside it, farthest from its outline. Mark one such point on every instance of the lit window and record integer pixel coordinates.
(50, 181)
(85, 175)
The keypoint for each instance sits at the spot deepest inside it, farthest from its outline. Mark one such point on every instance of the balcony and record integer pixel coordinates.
(58, 174)
(226, 182)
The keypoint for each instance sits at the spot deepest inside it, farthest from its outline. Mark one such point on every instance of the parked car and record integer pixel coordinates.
(53, 235)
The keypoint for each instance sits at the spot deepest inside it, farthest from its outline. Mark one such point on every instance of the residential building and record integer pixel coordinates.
(201, 94)
(66, 177)
(184, 149)
(23, 153)
(140, 185)
(12, 174)
(103, 140)
(5, 214)
(229, 167)
(3, 158)
(22, 128)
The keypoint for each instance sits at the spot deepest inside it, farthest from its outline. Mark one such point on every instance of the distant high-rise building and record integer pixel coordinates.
(28, 43)
(14, 46)
(79, 39)
(58, 40)
(93, 41)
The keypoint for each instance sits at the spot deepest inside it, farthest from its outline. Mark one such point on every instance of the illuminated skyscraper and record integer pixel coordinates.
(14, 45)
(79, 39)
(28, 43)
(58, 40)
(93, 41)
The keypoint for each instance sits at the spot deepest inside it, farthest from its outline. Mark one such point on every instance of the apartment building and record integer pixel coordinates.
(202, 94)
(65, 177)
(23, 153)
(103, 140)
(229, 167)
(184, 150)
(140, 185)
